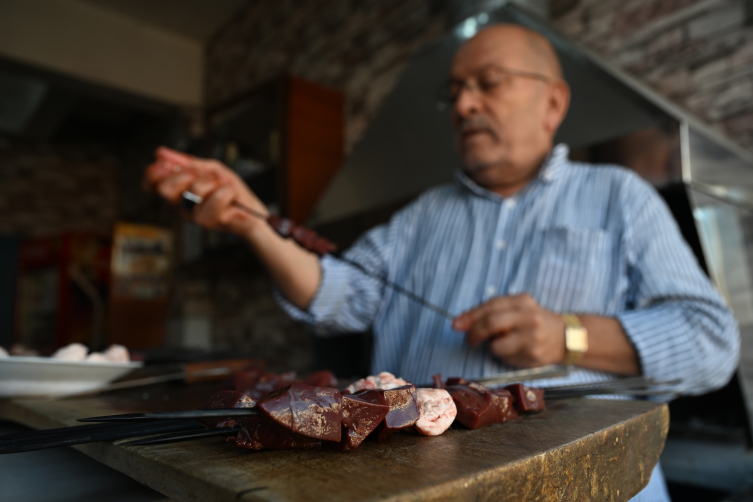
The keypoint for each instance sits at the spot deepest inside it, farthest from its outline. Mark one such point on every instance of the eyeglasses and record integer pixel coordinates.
(487, 82)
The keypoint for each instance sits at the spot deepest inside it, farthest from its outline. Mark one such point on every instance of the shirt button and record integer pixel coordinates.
(490, 290)
(510, 203)
(500, 244)
(548, 176)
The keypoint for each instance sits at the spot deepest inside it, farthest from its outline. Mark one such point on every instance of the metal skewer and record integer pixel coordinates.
(176, 415)
(181, 436)
(191, 199)
(69, 436)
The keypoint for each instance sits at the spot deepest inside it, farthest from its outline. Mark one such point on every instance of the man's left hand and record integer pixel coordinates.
(519, 330)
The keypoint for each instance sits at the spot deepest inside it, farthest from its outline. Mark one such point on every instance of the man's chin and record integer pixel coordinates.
(476, 164)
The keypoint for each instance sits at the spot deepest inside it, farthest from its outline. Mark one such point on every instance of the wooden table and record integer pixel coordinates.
(578, 450)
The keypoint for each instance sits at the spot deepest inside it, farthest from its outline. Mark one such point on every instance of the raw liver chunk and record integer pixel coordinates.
(362, 413)
(503, 401)
(314, 412)
(225, 399)
(403, 411)
(261, 432)
(527, 398)
(474, 407)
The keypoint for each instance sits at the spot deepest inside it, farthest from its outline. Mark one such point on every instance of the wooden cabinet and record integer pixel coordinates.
(285, 139)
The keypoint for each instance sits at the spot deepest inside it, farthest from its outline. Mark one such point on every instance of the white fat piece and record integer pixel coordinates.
(436, 411)
(3, 352)
(97, 357)
(72, 352)
(117, 354)
(384, 380)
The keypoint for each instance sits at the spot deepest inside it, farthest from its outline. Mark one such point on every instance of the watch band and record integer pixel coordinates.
(576, 339)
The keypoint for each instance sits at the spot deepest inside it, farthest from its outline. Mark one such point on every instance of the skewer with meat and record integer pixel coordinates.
(302, 416)
(479, 405)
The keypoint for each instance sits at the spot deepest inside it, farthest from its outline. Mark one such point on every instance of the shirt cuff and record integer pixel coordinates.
(653, 333)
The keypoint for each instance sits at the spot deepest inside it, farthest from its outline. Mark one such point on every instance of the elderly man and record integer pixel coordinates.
(521, 238)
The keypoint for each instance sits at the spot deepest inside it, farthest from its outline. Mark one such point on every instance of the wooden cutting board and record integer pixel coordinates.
(578, 450)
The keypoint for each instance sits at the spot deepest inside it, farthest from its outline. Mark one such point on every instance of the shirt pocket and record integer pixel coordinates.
(574, 270)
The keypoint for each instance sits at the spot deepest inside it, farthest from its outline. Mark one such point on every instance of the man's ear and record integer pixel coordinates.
(557, 104)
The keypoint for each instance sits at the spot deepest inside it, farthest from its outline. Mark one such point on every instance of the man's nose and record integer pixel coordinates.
(467, 102)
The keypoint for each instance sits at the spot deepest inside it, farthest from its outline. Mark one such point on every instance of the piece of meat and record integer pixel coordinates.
(456, 381)
(257, 383)
(261, 432)
(527, 398)
(314, 412)
(436, 410)
(384, 380)
(225, 399)
(362, 413)
(4, 353)
(479, 405)
(72, 352)
(438, 383)
(403, 411)
(503, 401)
(474, 407)
(117, 354)
(323, 378)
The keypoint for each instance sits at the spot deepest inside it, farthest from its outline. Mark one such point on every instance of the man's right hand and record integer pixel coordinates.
(173, 173)
(295, 270)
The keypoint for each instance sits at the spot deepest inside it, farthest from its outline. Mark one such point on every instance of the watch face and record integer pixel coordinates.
(576, 339)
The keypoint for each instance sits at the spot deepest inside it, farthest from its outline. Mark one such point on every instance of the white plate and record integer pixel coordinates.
(44, 376)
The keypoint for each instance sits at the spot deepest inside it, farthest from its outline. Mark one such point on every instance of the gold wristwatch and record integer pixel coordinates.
(576, 339)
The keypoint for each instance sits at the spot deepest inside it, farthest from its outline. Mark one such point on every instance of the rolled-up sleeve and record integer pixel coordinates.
(678, 323)
(347, 299)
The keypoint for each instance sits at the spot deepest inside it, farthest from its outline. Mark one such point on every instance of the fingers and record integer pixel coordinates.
(493, 324)
(158, 171)
(509, 348)
(217, 211)
(500, 303)
(173, 173)
(202, 167)
(171, 156)
(172, 187)
(203, 187)
(519, 331)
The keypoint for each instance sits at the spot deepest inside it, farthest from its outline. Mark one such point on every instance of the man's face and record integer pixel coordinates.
(498, 117)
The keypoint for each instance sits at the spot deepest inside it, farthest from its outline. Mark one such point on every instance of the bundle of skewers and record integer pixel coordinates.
(269, 411)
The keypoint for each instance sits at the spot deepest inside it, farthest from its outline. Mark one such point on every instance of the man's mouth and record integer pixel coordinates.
(473, 132)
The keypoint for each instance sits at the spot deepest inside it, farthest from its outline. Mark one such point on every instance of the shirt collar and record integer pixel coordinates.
(550, 171)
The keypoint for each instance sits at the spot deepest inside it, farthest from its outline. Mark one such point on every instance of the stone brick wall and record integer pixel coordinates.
(359, 47)
(698, 53)
(46, 190)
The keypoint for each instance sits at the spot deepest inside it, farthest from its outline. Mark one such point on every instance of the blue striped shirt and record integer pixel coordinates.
(581, 238)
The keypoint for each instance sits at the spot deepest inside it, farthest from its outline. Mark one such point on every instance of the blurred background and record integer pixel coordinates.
(329, 110)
